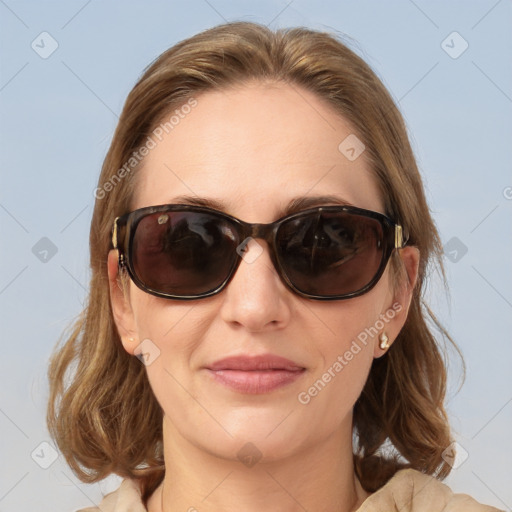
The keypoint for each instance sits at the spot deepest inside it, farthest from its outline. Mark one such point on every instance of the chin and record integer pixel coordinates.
(261, 435)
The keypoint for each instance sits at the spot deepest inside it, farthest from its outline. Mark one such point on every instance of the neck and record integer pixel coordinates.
(320, 478)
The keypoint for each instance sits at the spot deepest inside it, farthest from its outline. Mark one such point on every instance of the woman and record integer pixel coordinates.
(254, 337)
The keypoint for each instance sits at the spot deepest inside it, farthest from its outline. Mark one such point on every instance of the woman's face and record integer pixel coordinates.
(254, 149)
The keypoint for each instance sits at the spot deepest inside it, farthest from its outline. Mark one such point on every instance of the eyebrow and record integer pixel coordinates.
(294, 205)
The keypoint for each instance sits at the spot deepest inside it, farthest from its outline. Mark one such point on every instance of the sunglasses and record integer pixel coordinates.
(189, 252)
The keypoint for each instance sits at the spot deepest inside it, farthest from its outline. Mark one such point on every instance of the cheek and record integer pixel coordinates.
(350, 327)
(337, 382)
(345, 356)
(160, 320)
(169, 341)
(170, 333)
(159, 325)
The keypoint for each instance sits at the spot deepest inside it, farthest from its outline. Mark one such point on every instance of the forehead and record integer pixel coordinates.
(253, 148)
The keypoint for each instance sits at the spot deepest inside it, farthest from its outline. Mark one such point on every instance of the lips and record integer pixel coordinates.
(263, 362)
(255, 375)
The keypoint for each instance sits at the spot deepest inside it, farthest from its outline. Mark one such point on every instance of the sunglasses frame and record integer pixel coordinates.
(124, 228)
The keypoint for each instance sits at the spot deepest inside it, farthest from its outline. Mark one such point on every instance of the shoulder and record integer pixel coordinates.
(126, 498)
(412, 491)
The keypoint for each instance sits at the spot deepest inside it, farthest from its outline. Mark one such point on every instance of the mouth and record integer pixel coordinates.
(255, 375)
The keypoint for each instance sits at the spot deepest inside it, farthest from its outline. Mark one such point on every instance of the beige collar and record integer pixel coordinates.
(408, 491)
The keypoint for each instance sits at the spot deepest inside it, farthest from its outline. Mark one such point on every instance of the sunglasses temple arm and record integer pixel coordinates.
(114, 234)
(399, 237)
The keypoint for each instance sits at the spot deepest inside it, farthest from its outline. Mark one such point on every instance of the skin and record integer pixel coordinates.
(255, 147)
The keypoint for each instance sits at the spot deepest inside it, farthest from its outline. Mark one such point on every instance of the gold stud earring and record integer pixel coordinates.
(383, 341)
(131, 339)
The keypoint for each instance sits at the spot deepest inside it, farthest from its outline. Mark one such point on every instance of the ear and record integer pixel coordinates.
(395, 315)
(121, 307)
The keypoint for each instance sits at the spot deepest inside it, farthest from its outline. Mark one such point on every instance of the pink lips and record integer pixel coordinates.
(255, 375)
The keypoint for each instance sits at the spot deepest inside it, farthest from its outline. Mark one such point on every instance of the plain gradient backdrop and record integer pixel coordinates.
(66, 68)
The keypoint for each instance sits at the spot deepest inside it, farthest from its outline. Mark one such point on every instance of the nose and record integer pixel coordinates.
(256, 298)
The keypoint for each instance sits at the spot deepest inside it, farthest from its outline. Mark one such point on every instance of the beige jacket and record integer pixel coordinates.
(407, 491)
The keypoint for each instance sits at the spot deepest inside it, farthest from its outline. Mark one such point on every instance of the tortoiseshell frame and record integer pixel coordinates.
(124, 229)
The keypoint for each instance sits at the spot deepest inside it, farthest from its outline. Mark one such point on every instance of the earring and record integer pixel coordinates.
(131, 339)
(384, 341)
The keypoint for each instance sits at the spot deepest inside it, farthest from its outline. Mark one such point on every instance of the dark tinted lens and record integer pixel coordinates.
(183, 253)
(331, 253)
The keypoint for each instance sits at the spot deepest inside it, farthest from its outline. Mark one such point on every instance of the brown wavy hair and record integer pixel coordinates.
(102, 412)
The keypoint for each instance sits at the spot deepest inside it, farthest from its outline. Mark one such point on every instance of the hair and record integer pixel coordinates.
(102, 411)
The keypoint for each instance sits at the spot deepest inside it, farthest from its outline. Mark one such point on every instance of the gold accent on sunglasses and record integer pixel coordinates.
(114, 233)
(399, 237)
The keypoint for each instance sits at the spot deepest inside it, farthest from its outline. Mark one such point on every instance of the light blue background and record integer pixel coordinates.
(57, 117)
